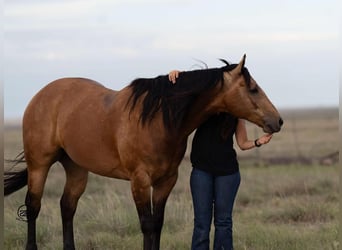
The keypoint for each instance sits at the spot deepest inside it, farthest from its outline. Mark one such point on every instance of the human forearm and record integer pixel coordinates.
(249, 144)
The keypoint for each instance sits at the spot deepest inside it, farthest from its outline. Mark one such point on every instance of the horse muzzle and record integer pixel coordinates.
(273, 125)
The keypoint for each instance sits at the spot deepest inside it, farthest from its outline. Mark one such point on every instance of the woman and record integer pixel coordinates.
(215, 177)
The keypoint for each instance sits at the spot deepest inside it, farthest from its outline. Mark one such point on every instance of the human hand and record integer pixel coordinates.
(264, 139)
(173, 75)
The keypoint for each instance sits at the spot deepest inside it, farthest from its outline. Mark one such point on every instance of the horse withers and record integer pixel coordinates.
(138, 134)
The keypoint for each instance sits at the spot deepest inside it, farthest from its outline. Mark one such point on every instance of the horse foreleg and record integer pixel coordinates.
(150, 202)
(76, 181)
(160, 194)
(150, 227)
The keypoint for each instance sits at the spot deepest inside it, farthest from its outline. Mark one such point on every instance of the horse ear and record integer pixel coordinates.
(241, 64)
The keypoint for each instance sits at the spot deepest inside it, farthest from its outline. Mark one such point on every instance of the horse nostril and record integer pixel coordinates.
(281, 122)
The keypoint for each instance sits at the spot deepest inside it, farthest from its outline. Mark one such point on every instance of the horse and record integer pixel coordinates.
(138, 133)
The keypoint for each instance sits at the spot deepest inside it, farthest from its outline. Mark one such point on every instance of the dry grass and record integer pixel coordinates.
(278, 207)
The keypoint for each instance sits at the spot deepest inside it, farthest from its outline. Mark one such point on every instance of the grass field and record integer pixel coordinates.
(281, 207)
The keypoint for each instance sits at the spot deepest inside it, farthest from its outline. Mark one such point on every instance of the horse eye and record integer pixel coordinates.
(254, 90)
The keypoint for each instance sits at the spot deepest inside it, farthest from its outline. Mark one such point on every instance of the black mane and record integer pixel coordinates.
(174, 100)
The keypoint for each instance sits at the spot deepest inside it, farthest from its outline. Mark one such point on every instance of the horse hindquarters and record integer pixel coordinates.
(41, 150)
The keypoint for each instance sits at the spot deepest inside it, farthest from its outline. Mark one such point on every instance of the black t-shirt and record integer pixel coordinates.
(212, 146)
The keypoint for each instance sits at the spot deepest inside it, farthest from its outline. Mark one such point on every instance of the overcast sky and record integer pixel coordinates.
(291, 46)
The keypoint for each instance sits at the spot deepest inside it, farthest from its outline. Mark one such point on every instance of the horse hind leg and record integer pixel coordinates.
(76, 181)
(36, 180)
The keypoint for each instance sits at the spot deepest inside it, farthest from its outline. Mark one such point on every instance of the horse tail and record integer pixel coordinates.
(15, 180)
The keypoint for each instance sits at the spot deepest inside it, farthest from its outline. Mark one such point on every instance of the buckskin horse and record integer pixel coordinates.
(138, 134)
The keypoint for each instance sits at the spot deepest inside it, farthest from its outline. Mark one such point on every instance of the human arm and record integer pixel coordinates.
(242, 139)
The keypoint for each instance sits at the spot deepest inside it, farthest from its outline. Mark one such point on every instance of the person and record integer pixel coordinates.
(215, 176)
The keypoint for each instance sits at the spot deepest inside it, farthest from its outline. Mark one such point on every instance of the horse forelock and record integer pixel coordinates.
(244, 72)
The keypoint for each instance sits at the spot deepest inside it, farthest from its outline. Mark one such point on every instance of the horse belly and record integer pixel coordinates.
(98, 161)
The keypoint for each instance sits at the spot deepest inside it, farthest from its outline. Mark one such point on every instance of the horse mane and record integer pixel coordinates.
(175, 100)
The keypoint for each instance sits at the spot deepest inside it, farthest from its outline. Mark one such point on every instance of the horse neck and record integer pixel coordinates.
(206, 105)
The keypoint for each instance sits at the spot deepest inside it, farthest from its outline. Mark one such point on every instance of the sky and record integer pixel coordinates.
(292, 46)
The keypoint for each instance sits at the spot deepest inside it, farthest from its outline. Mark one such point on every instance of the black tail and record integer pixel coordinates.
(15, 180)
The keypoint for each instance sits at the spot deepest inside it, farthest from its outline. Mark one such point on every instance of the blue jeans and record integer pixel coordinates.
(213, 194)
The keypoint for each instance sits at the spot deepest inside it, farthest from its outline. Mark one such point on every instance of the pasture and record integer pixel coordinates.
(288, 197)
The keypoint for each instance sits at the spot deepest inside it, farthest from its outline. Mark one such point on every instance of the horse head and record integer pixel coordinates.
(244, 98)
